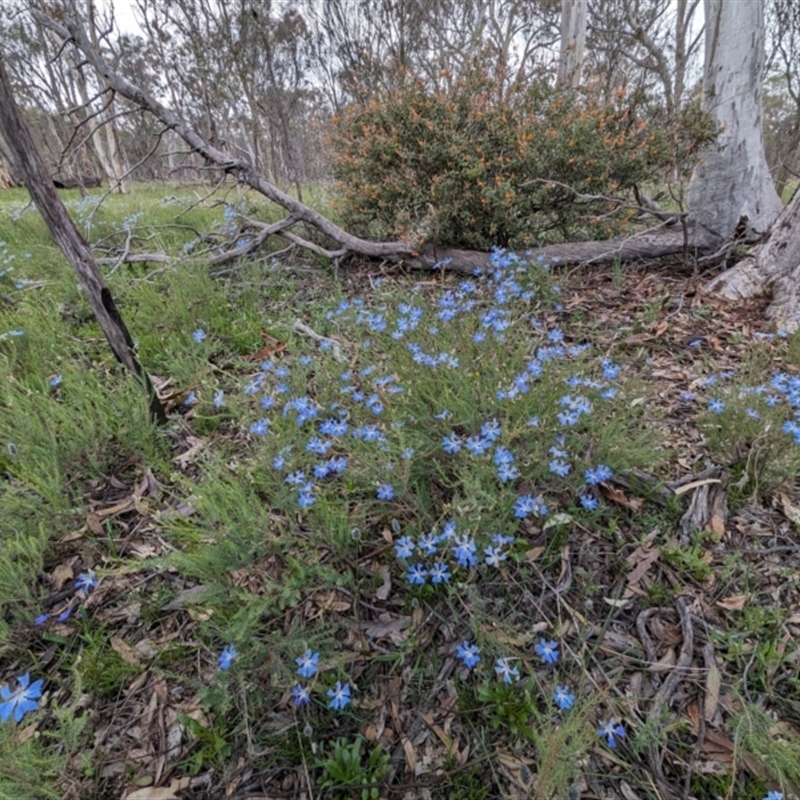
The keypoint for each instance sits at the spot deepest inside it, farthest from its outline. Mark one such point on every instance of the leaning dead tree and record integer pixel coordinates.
(35, 175)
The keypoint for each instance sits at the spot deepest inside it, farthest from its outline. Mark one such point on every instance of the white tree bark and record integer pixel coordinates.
(573, 41)
(773, 268)
(733, 181)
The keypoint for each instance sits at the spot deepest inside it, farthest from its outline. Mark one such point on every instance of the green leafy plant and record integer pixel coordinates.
(346, 768)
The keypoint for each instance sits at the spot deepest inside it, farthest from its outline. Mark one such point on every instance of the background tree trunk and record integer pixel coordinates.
(733, 180)
(573, 41)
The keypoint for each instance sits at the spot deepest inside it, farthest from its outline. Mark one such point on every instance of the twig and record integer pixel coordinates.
(125, 252)
(314, 248)
(256, 242)
(301, 327)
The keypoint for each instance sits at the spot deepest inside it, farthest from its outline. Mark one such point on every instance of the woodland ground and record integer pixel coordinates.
(457, 410)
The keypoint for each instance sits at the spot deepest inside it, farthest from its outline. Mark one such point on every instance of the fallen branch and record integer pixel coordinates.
(644, 246)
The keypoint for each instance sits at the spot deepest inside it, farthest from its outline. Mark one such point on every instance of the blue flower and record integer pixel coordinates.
(451, 444)
(333, 427)
(503, 456)
(191, 398)
(55, 381)
(385, 492)
(507, 472)
(469, 654)
(404, 547)
(41, 619)
(464, 551)
(219, 398)
(589, 502)
(526, 505)
(429, 543)
(199, 335)
(595, 475)
(337, 464)
(306, 499)
(300, 695)
(439, 573)
(610, 370)
(611, 731)
(478, 445)
(340, 696)
(752, 413)
(260, 427)
(774, 796)
(86, 581)
(491, 430)
(560, 468)
(226, 657)
(417, 574)
(687, 397)
(307, 664)
(547, 651)
(563, 699)
(318, 446)
(64, 615)
(716, 406)
(505, 671)
(21, 701)
(494, 555)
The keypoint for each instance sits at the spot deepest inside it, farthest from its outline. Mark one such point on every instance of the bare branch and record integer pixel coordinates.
(240, 168)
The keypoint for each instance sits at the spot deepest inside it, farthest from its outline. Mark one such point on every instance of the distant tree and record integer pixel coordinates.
(782, 92)
(645, 44)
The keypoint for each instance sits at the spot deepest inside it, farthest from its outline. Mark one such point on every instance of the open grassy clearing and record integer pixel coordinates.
(590, 478)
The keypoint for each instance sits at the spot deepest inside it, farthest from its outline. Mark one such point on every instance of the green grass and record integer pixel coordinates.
(200, 542)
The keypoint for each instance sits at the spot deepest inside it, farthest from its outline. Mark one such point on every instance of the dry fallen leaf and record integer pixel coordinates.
(61, 575)
(125, 651)
(385, 589)
(713, 682)
(331, 600)
(620, 498)
(735, 602)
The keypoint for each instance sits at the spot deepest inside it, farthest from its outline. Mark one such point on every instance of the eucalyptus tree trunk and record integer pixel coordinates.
(731, 189)
(573, 41)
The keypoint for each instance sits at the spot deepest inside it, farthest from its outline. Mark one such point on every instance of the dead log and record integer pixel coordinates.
(76, 182)
(643, 246)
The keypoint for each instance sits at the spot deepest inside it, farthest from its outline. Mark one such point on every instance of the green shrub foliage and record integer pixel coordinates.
(483, 162)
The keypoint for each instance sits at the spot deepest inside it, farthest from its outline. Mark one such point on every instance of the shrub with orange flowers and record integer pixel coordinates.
(481, 163)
